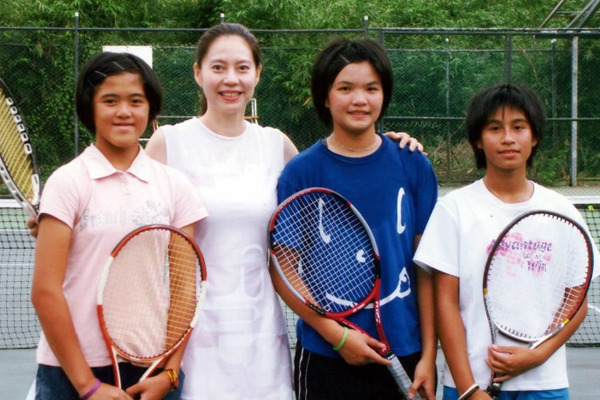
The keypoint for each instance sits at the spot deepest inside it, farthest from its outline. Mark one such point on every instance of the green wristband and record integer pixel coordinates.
(344, 336)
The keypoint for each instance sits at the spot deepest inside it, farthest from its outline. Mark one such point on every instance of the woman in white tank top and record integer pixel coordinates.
(239, 349)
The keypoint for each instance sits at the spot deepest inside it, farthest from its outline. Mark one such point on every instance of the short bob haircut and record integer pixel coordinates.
(487, 101)
(103, 65)
(337, 55)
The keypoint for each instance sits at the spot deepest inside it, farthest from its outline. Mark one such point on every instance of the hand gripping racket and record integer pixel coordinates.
(150, 295)
(327, 257)
(536, 278)
(17, 164)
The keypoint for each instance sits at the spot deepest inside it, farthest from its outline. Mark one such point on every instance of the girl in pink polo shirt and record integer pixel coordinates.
(87, 206)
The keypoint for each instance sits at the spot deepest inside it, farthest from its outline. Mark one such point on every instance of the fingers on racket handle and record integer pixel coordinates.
(494, 390)
(401, 377)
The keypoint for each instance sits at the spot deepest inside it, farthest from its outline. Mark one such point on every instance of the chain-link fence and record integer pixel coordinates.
(436, 71)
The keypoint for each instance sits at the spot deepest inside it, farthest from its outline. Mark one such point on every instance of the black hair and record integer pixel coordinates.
(102, 65)
(225, 29)
(487, 101)
(338, 54)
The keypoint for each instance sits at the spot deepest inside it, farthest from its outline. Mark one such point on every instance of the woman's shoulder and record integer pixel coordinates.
(267, 132)
(183, 126)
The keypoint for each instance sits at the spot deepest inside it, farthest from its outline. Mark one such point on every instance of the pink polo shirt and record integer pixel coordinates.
(102, 205)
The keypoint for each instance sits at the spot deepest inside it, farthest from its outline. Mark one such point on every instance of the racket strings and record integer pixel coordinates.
(18, 163)
(151, 293)
(536, 278)
(183, 269)
(324, 252)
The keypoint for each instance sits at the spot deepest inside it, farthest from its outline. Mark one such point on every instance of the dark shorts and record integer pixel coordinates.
(51, 383)
(317, 377)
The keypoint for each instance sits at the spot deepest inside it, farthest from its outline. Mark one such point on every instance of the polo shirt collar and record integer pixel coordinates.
(99, 167)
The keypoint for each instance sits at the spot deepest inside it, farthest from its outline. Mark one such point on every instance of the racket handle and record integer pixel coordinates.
(493, 390)
(401, 377)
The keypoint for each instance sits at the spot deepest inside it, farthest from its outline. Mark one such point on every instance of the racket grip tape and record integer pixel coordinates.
(401, 377)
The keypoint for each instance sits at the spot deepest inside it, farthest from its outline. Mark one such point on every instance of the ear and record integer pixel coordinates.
(479, 144)
(534, 142)
(197, 74)
(258, 71)
(327, 102)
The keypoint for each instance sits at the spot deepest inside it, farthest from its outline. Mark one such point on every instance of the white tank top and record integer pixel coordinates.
(239, 349)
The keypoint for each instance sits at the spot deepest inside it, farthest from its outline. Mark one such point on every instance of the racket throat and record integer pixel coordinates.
(388, 354)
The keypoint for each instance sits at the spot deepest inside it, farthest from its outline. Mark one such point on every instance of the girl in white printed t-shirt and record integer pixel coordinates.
(505, 127)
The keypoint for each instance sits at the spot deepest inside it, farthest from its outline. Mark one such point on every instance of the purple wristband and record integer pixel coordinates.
(90, 392)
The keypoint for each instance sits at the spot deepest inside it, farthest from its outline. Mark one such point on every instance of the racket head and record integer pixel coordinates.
(150, 293)
(18, 168)
(537, 275)
(324, 252)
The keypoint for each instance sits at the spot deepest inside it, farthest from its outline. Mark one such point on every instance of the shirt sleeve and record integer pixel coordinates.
(287, 184)
(188, 208)
(425, 189)
(61, 197)
(439, 245)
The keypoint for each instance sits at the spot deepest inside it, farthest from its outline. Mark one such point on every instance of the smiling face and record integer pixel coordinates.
(120, 113)
(507, 140)
(227, 75)
(355, 99)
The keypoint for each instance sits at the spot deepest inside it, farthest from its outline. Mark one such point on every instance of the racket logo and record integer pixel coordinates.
(346, 303)
(360, 256)
(324, 236)
(400, 227)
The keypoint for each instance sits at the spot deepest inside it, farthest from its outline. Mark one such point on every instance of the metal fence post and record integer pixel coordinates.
(448, 138)
(75, 74)
(381, 40)
(574, 107)
(508, 58)
(366, 26)
(553, 99)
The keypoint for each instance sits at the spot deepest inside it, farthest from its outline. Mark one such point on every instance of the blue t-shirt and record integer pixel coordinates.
(395, 191)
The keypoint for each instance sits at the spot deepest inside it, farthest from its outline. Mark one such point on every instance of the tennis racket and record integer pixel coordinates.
(17, 163)
(150, 295)
(536, 278)
(327, 257)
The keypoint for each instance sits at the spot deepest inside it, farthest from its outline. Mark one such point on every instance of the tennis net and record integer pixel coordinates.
(19, 328)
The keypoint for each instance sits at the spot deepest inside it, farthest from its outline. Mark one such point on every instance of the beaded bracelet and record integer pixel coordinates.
(469, 392)
(173, 377)
(90, 392)
(344, 336)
